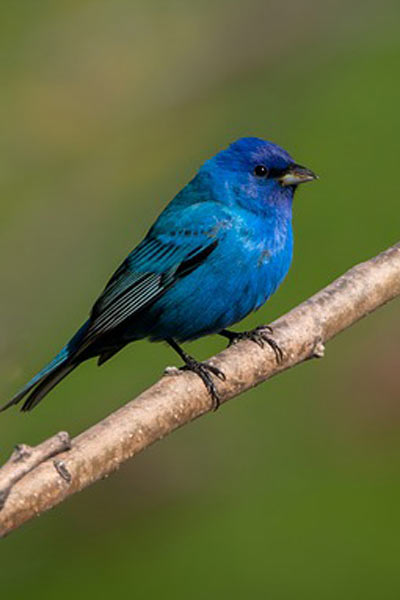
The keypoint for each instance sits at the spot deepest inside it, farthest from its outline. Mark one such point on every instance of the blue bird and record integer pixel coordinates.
(216, 253)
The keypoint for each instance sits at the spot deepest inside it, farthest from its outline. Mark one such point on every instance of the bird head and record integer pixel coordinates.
(257, 174)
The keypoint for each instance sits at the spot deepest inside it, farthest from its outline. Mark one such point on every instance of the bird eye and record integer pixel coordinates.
(261, 171)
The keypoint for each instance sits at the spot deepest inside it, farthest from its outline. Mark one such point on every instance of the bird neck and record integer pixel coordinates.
(275, 205)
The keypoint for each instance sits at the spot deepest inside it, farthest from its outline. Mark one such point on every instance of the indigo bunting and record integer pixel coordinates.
(217, 252)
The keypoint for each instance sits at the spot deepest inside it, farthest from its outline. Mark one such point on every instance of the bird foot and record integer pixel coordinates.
(260, 335)
(204, 371)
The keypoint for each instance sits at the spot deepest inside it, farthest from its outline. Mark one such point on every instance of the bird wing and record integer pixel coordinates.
(162, 258)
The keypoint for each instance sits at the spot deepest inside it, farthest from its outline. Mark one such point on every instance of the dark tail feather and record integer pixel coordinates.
(47, 384)
(105, 356)
(40, 385)
(50, 375)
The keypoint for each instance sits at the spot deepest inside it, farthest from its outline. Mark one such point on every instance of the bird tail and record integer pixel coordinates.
(50, 375)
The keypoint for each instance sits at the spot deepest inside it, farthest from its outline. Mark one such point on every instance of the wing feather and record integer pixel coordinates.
(141, 279)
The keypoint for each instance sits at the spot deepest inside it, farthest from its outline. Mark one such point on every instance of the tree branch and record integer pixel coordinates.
(175, 400)
(25, 458)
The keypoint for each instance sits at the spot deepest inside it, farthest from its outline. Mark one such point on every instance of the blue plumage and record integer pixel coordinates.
(217, 252)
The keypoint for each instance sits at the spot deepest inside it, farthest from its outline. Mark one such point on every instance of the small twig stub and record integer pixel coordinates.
(26, 458)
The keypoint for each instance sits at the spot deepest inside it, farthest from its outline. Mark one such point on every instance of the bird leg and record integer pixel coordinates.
(260, 335)
(201, 369)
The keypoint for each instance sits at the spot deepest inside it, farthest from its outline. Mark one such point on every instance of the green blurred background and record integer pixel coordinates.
(107, 109)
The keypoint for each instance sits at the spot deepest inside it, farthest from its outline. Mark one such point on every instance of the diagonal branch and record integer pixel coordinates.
(176, 400)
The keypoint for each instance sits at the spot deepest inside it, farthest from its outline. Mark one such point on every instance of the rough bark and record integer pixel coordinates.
(178, 399)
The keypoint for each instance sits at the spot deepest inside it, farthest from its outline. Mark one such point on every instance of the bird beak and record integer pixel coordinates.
(296, 174)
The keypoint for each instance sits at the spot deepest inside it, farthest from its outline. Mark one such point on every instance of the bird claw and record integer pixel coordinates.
(260, 335)
(215, 371)
(203, 370)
